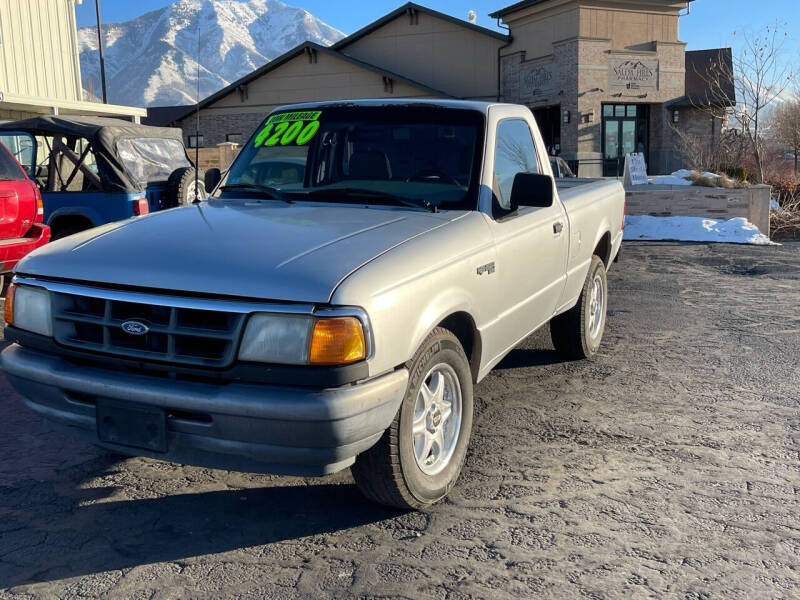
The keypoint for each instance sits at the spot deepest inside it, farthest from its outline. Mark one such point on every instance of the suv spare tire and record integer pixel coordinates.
(181, 185)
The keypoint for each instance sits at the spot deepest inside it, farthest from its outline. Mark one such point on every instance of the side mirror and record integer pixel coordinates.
(532, 189)
(212, 179)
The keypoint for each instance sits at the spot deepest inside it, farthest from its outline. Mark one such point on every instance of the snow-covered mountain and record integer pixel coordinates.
(151, 60)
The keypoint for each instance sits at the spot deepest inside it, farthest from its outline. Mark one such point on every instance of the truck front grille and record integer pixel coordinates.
(176, 334)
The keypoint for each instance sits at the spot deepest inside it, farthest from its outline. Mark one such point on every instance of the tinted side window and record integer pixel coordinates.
(514, 153)
(9, 171)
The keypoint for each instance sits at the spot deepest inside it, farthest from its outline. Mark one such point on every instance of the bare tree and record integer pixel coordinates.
(757, 76)
(786, 126)
(720, 155)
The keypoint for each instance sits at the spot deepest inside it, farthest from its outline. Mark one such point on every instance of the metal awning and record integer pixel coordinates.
(56, 106)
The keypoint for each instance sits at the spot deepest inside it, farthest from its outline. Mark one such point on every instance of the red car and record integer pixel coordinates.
(21, 213)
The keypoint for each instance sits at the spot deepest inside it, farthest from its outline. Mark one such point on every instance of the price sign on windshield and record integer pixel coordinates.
(289, 129)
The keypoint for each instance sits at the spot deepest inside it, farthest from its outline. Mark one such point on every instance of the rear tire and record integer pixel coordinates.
(420, 456)
(578, 333)
(181, 186)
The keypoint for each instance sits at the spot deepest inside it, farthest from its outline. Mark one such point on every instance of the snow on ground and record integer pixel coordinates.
(774, 206)
(694, 229)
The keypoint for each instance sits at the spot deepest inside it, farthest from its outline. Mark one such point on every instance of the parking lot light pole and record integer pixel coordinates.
(100, 49)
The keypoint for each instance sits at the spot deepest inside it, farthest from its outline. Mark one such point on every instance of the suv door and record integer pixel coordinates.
(532, 242)
(17, 198)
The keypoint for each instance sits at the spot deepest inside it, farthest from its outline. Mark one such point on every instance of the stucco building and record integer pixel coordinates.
(603, 77)
(39, 66)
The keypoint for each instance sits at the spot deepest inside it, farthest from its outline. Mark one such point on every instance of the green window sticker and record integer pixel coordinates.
(286, 129)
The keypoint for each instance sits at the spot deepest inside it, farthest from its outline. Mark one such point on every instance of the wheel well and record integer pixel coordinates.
(68, 224)
(603, 248)
(463, 327)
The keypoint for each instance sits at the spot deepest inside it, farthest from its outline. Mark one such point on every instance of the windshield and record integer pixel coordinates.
(429, 156)
(151, 159)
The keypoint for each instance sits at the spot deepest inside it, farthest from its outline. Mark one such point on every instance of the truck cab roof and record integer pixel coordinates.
(397, 103)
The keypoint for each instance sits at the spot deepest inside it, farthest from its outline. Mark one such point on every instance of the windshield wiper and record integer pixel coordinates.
(268, 192)
(363, 192)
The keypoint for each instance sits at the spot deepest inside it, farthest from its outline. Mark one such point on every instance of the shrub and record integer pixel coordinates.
(738, 173)
(785, 224)
(786, 190)
(717, 181)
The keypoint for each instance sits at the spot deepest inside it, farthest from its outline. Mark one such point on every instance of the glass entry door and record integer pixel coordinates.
(624, 132)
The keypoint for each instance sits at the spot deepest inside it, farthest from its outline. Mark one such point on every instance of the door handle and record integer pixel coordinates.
(558, 228)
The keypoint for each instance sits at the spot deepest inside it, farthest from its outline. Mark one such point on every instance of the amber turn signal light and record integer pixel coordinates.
(337, 341)
(8, 310)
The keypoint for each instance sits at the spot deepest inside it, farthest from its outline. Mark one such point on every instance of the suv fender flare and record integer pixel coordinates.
(76, 211)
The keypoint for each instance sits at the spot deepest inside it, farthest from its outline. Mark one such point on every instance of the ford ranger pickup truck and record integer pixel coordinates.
(360, 267)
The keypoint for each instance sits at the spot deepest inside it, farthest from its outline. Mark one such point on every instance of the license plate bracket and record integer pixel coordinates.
(133, 425)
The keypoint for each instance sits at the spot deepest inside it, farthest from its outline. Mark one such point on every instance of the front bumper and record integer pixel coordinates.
(235, 426)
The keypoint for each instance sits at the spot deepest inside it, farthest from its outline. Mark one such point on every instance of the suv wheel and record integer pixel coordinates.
(181, 187)
(420, 456)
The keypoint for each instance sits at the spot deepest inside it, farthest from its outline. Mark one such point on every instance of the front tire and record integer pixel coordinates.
(420, 456)
(577, 333)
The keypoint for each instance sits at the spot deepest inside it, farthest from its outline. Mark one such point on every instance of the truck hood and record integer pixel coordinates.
(266, 250)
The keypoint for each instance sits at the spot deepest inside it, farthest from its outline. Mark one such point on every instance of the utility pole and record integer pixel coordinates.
(100, 48)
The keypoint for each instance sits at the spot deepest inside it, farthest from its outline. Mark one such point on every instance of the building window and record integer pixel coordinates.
(195, 141)
(236, 138)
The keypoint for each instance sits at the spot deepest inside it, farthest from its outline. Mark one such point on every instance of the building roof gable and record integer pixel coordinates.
(399, 12)
(294, 53)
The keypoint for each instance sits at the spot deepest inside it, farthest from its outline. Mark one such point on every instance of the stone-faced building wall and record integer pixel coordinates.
(596, 56)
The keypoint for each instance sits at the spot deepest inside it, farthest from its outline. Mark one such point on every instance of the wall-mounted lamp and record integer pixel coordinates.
(567, 116)
(676, 116)
(591, 116)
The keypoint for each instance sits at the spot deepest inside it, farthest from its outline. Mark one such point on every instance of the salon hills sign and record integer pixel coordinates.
(633, 74)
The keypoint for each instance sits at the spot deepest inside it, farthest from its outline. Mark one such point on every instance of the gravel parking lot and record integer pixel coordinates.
(667, 468)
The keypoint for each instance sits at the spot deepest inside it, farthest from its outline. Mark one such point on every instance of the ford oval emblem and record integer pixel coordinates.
(135, 328)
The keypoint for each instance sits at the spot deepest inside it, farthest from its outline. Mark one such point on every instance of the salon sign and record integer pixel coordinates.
(633, 74)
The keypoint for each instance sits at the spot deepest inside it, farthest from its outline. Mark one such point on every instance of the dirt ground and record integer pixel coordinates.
(667, 468)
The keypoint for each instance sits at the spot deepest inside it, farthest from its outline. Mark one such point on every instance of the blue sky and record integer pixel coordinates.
(709, 25)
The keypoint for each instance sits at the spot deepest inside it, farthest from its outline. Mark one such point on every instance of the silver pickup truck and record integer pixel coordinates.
(357, 270)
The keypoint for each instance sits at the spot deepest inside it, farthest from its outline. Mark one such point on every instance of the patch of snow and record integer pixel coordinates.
(680, 177)
(774, 206)
(694, 229)
(669, 180)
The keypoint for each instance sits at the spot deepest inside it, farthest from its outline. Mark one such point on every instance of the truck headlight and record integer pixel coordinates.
(28, 308)
(303, 340)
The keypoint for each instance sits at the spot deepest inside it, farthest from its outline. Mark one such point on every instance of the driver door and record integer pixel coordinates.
(532, 242)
